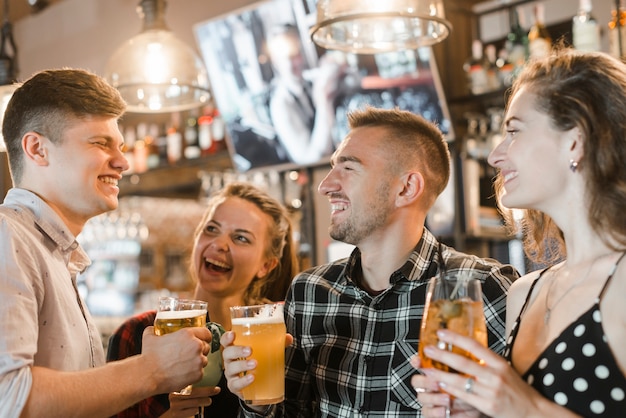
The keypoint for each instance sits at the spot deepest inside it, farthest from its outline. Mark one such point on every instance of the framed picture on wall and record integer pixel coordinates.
(285, 102)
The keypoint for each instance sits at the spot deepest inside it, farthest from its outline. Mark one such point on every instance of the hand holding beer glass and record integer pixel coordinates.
(262, 328)
(174, 314)
(454, 302)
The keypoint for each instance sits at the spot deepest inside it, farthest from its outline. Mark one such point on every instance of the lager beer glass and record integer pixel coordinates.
(262, 327)
(174, 314)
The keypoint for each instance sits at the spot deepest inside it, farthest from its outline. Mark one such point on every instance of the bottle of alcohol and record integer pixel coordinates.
(585, 28)
(539, 39)
(192, 149)
(475, 70)
(205, 134)
(491, 67)
(174, 139)
(505, 68)
(141, 149)
(516, 42)
(617, 31)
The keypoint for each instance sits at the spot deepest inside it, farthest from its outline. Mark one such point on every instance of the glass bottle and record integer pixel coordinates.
(475, 70)
(539, 39)
(516, 43)
(585, 28)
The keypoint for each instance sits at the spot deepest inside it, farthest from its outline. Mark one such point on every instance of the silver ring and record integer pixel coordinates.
(419, 390)
(469, 385)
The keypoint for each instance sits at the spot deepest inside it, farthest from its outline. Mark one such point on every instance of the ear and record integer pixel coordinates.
(269, 265)
(575, 143)
(412, 184)
(35, 148)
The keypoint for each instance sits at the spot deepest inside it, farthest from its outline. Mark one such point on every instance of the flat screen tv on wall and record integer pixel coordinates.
(285, 102)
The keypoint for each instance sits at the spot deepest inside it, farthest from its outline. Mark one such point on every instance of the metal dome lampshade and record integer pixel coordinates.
(156, 72)
(373, 26)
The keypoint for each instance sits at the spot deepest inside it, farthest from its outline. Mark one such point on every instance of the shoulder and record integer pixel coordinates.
(482, 268)
(126, 340)
(518, 293)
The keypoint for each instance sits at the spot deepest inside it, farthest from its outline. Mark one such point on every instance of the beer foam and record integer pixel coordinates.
(192, 313)
(257, 320)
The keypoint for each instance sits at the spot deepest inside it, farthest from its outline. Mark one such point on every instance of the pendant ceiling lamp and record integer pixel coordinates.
(372, 26)
(154, 71)
(8, 67)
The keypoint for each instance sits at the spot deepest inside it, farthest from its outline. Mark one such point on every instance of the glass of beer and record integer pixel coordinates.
(262, 327)
(174, 314)
(454, 302)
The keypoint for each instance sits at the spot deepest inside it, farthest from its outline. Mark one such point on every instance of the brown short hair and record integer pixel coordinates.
(45, 102)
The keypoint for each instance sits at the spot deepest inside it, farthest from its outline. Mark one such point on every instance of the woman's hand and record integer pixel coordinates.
(433, 400)
(494, 387)
(185, 406)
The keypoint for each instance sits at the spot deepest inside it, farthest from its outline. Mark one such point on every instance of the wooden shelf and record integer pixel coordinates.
(175, 181)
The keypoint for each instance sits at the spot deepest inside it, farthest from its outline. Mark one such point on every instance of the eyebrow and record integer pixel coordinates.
(346, 159)
(511, 119)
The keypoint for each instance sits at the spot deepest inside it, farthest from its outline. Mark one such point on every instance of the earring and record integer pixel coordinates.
(573, 165)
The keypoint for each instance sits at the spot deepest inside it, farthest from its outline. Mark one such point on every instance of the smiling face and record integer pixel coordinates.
(358, 187)
(232, 248)
(78, 175)
(533, 158)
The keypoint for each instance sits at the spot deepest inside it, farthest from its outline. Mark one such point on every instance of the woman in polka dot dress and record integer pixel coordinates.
(563, 164)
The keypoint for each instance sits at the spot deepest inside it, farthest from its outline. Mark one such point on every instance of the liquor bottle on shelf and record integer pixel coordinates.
(505, 68)
(516, 43)
(141, 149)
(174, 139)
(491, 67)
(475, 70)
(205, 134)
(585, 28)
(130, 137)
(219, 130)
(539, 39)
(617, 31)
(192, 149)
(152, 145)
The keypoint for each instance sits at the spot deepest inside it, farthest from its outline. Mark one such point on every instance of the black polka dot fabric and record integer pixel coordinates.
(578, 369)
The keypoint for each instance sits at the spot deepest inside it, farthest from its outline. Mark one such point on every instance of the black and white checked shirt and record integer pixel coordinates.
(351, 350)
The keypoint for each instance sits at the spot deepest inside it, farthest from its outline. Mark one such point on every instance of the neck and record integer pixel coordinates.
(219, 306)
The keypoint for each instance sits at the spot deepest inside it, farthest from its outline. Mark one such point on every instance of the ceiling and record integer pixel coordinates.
(19, 9)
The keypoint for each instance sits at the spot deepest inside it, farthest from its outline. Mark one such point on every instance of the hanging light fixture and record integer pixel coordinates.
(156, 72)
(8, 67)
(372, 26)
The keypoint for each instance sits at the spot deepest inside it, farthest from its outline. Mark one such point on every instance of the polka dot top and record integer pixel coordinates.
(578, 370)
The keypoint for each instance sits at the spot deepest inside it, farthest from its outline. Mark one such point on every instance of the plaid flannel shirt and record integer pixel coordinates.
(351, 350)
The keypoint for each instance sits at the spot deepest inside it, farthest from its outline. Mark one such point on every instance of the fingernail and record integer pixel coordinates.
(429, 350)
(247, 351)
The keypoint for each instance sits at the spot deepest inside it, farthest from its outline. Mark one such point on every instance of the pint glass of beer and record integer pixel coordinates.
(262, 327)
(175, 314)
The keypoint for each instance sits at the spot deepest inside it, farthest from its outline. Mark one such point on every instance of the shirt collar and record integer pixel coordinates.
(46, 219)
(419, 265)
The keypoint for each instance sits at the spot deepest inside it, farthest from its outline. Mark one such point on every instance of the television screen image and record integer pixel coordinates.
(285, 101)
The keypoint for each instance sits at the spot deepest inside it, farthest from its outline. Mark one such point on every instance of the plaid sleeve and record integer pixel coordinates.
(495, 288)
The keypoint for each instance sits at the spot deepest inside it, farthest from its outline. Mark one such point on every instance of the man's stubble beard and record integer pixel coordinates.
(357, 228)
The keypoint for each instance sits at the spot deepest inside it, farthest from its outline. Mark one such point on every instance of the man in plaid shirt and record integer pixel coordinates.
(355, 322)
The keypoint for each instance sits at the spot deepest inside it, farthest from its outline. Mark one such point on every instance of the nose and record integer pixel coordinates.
(497, 154)
(119, 161)
(328, 184)
(220, 243)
